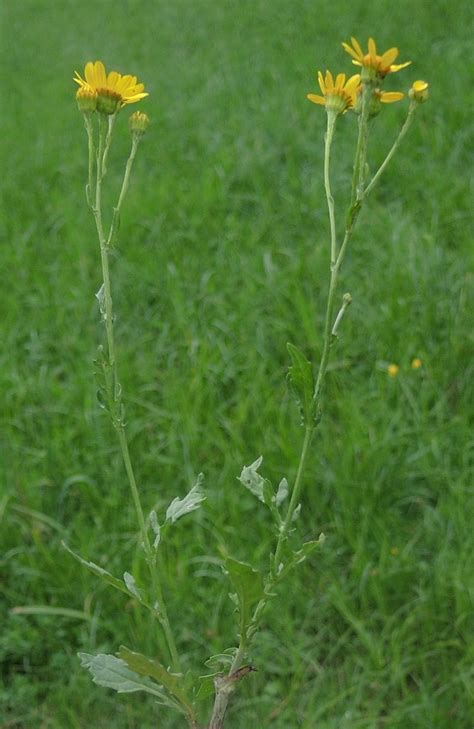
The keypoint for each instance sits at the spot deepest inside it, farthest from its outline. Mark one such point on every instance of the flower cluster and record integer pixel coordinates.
(340, 95)
(106, 93)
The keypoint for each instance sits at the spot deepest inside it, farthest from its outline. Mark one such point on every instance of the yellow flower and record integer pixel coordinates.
(393, 370)
(373, 65)
(113, 90)
(339, 95)
(416, 363)
(419, 91)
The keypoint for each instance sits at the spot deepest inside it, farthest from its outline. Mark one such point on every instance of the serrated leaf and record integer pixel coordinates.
(301, 379)
(132, 585)
(282, 492)
(112, 672)
(191, 502)
(248, 584)
(154, 669)
(98, 571)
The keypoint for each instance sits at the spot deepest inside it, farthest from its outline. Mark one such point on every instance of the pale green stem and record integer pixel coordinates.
(406, 126)
(116, 395)
(327, 183)
(90, 175)
(110, 128)
(361, 149)
(123, 191)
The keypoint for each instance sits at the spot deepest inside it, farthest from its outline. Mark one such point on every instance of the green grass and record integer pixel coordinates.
(222, 260)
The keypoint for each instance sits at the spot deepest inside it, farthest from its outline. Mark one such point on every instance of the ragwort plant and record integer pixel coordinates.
(100, 98)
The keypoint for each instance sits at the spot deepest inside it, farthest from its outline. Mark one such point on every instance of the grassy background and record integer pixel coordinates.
(222, 260)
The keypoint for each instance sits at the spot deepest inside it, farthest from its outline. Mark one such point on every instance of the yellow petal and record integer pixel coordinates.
(352, 83)
(340, 80)
(357, 47)
(388, 97)
(322, 85)
(316, 99)
(420, 86)
(389, 57)
(372, 48)
(100, 75)
(351, 51)
(89, 73)
(112, 80)
(124, 83)
(133, 99)
(329, 82)
(395, 68)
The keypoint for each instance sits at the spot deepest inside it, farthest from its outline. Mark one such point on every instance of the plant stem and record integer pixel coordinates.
(115, 394)
(361, 149)
(327, 183)
(402, 133)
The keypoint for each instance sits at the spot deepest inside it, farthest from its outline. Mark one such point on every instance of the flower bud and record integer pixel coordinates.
(138, 123)
(419, 91)
(86, 98)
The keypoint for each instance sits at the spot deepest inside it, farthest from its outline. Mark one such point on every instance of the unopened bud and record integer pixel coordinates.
(86, 98)
(138, 123)
(419, 91)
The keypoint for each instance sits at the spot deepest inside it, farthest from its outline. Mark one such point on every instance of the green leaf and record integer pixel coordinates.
(252, 480)
(154, 669)
(112, 672)
(156, 529)
(99, 572)
(301, 379)
(191, 502)
(282, 492)
(132, 586)
(308, 548)
(248, 584)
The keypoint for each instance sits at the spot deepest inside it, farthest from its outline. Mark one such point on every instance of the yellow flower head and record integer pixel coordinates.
(419, 91)
(338, 95)
(416, 363)
(113, 90)
(373, 65)
(393, 370)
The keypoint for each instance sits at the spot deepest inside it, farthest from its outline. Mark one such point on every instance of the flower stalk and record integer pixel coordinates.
(113, 389)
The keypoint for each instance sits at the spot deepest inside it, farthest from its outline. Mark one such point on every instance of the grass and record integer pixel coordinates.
(222, 260)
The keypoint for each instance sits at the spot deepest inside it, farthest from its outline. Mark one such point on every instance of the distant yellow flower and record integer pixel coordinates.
(416, 363)
(113, 90)
(373, 65)
(393, 370)
(339, 95)
(419, 91)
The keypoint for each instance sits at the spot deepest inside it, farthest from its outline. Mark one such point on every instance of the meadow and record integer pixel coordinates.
(222, 260)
